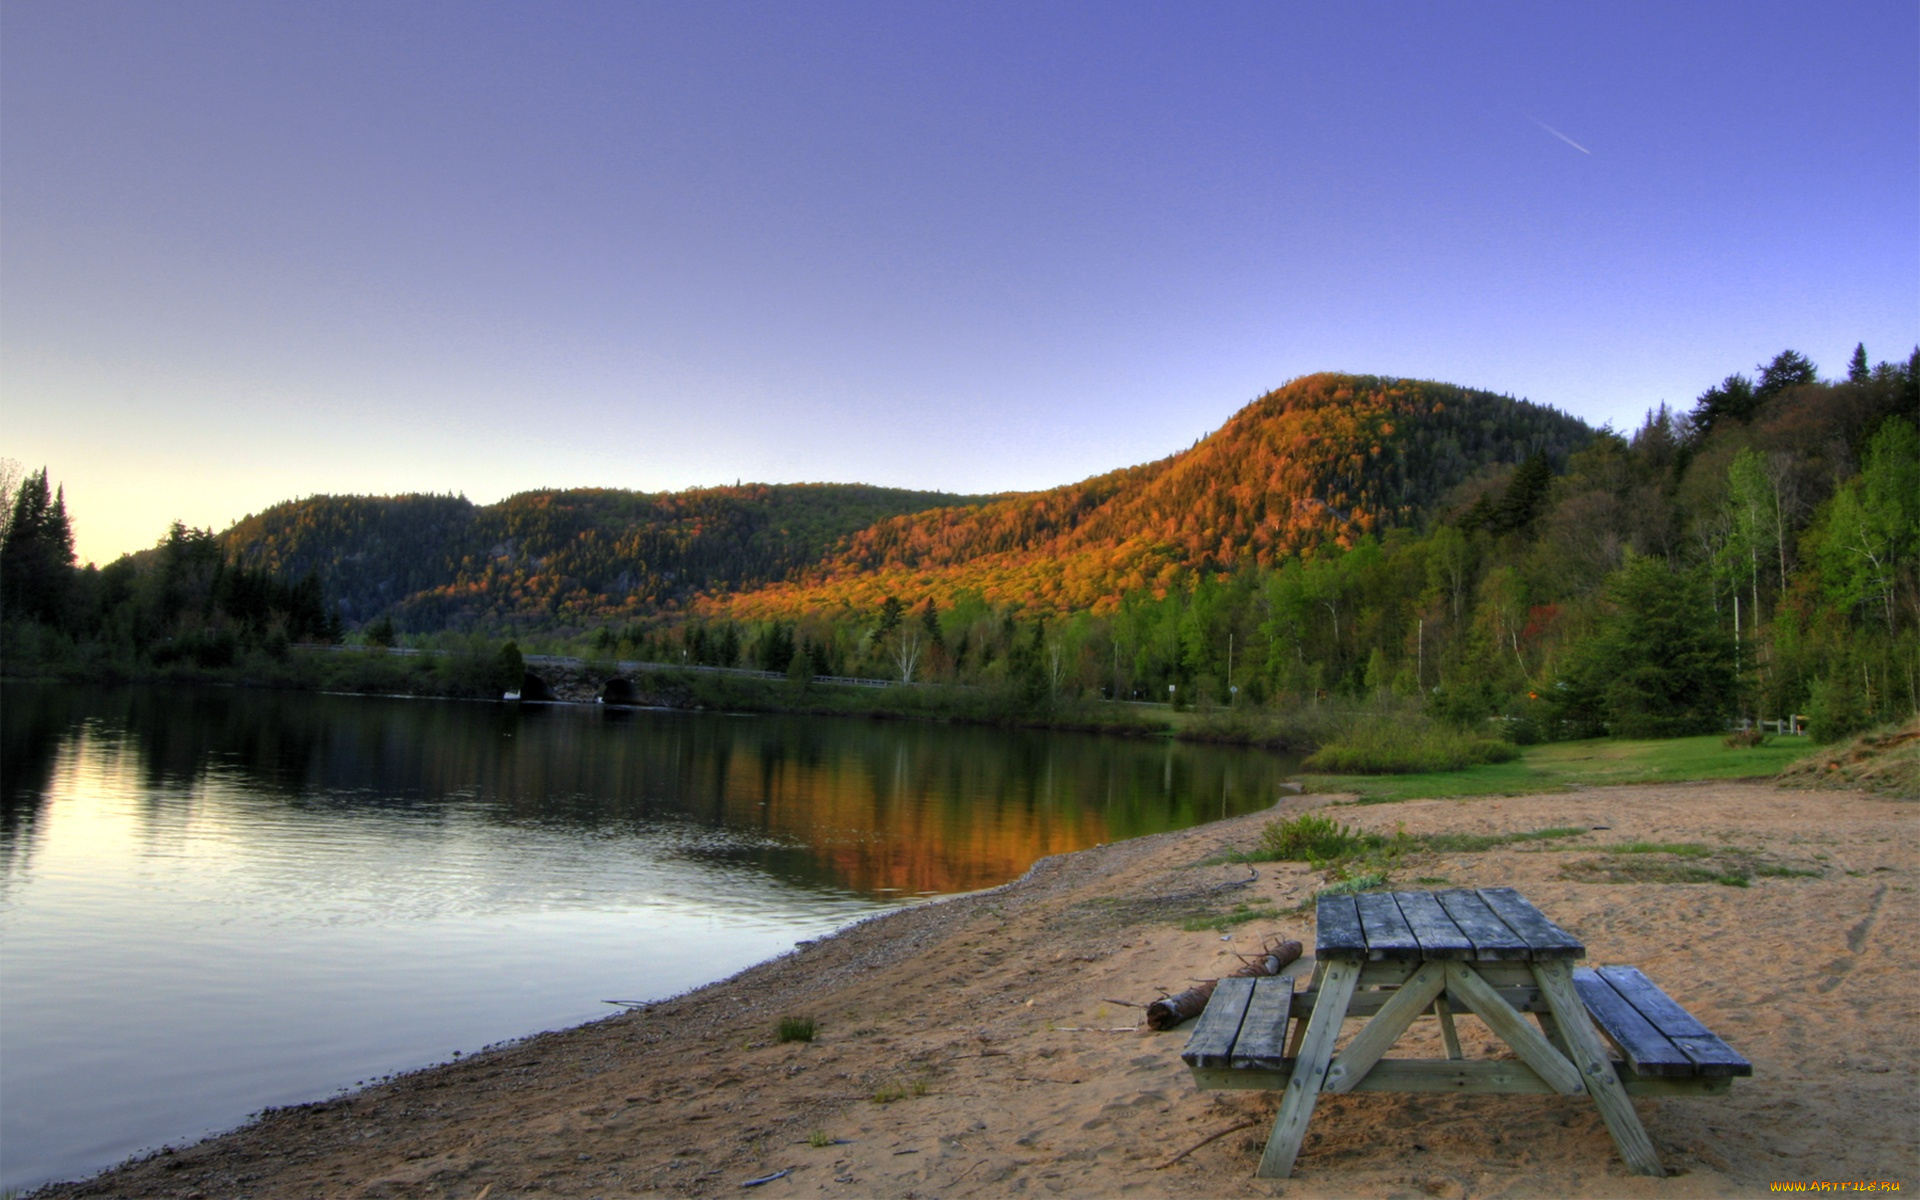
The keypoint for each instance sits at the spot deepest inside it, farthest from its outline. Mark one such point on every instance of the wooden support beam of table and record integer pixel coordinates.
(1603, 1083)
(1499, 974)
(1310, 1070)
(1372, 1042)
(1369, 1000)
(1472, 991)
(1448, 1034)
(1472, 1076)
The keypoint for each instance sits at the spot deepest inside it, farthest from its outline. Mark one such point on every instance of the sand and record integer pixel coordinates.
(976, 1047)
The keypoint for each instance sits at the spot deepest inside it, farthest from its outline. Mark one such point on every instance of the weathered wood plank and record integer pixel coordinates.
(1211, 1043)
(1544, 938)
(1389, 937)
(1365, 1003)
(1499, 974)
(1709, 1054)
(1336, 929)
(1385, 1029)
(1439, 937)
(1478, 1076)
(1642, 1044)
(1492, 940)
(1471, 991)
(1263, 1034)
(1596, 1069)
(1309, 1072)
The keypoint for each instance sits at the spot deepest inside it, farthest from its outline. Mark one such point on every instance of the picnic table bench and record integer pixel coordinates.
(1395, 956)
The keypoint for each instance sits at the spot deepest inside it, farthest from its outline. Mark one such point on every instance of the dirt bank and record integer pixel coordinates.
(974, 1048)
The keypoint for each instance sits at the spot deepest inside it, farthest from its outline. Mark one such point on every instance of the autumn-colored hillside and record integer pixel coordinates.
(1325, 459)
(555, 558)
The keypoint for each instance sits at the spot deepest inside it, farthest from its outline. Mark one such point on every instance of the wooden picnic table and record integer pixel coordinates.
(1395, 956)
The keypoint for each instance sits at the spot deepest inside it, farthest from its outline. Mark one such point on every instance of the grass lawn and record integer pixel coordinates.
(1561, 765)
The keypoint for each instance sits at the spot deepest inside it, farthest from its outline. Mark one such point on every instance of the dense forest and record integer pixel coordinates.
(1325, 460)
(554, 559)
(1489, 560)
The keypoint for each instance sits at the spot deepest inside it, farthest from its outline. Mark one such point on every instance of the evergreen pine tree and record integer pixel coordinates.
(1789, 368)
(36, 559)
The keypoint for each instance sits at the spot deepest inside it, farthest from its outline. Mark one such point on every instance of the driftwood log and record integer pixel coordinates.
(1169, 1011)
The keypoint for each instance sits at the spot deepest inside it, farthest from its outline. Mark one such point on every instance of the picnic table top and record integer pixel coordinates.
(1483, 925)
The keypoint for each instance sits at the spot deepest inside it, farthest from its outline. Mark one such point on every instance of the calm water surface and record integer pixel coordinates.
(212, 901)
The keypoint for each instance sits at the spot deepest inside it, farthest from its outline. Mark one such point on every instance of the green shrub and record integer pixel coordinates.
(1836, 710)
(1310, 837)
(1382, 747)
(796, 1029)
(1368, 882)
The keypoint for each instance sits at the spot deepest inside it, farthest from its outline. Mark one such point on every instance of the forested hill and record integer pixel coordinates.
(556, 558)
(1327, 458)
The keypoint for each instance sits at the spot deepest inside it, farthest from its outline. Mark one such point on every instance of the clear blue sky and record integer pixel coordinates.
(252, 251)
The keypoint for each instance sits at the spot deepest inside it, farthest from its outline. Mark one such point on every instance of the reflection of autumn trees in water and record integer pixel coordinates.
(844, 804)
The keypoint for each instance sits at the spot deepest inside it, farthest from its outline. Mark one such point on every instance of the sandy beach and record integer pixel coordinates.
(980, 1046)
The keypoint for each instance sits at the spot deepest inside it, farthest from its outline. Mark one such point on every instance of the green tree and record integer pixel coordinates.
(1857, 369)
(1732, 399)
(1658, 665)
(1525, 497)
(1789, 368)
(36, 558)
(1867, 539)
(509, 668)
(1751, 513)
(891, 611)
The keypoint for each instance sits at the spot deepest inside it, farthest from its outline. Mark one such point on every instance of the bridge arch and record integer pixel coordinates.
(619, 690)
(532, 687)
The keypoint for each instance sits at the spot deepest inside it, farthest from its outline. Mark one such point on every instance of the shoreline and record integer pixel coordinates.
(979, 1046)
(673, 690)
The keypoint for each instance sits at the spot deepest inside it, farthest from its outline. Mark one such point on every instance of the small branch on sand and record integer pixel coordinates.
(1094, 1029)
(1209, 1139)
(1169, 1011)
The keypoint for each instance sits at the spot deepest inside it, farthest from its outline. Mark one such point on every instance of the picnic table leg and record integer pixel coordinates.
(1590, 1056)
(1448, 1034)
(1300, 1027)
(1309, 1070)
(1552, 1029)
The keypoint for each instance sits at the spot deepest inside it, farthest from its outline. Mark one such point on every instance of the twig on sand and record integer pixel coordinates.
(768, 1178)
(1204, 1141)
(1095, 1029)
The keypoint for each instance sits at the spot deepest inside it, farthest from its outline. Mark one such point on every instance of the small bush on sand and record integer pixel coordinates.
(796, 1029)
(1313, 838)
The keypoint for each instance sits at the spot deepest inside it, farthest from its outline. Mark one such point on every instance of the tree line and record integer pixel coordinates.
(1752, 556)
(1753, 559)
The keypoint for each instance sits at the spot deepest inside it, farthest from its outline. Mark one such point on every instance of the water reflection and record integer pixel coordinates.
(876, 808)
(216, 900)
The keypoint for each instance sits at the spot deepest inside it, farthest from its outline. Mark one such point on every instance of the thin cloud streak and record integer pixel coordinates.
(1555, 132)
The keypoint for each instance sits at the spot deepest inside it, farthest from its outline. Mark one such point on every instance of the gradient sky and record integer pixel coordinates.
(257, 250)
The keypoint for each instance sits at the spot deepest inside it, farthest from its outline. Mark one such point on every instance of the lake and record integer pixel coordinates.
(215, 900)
